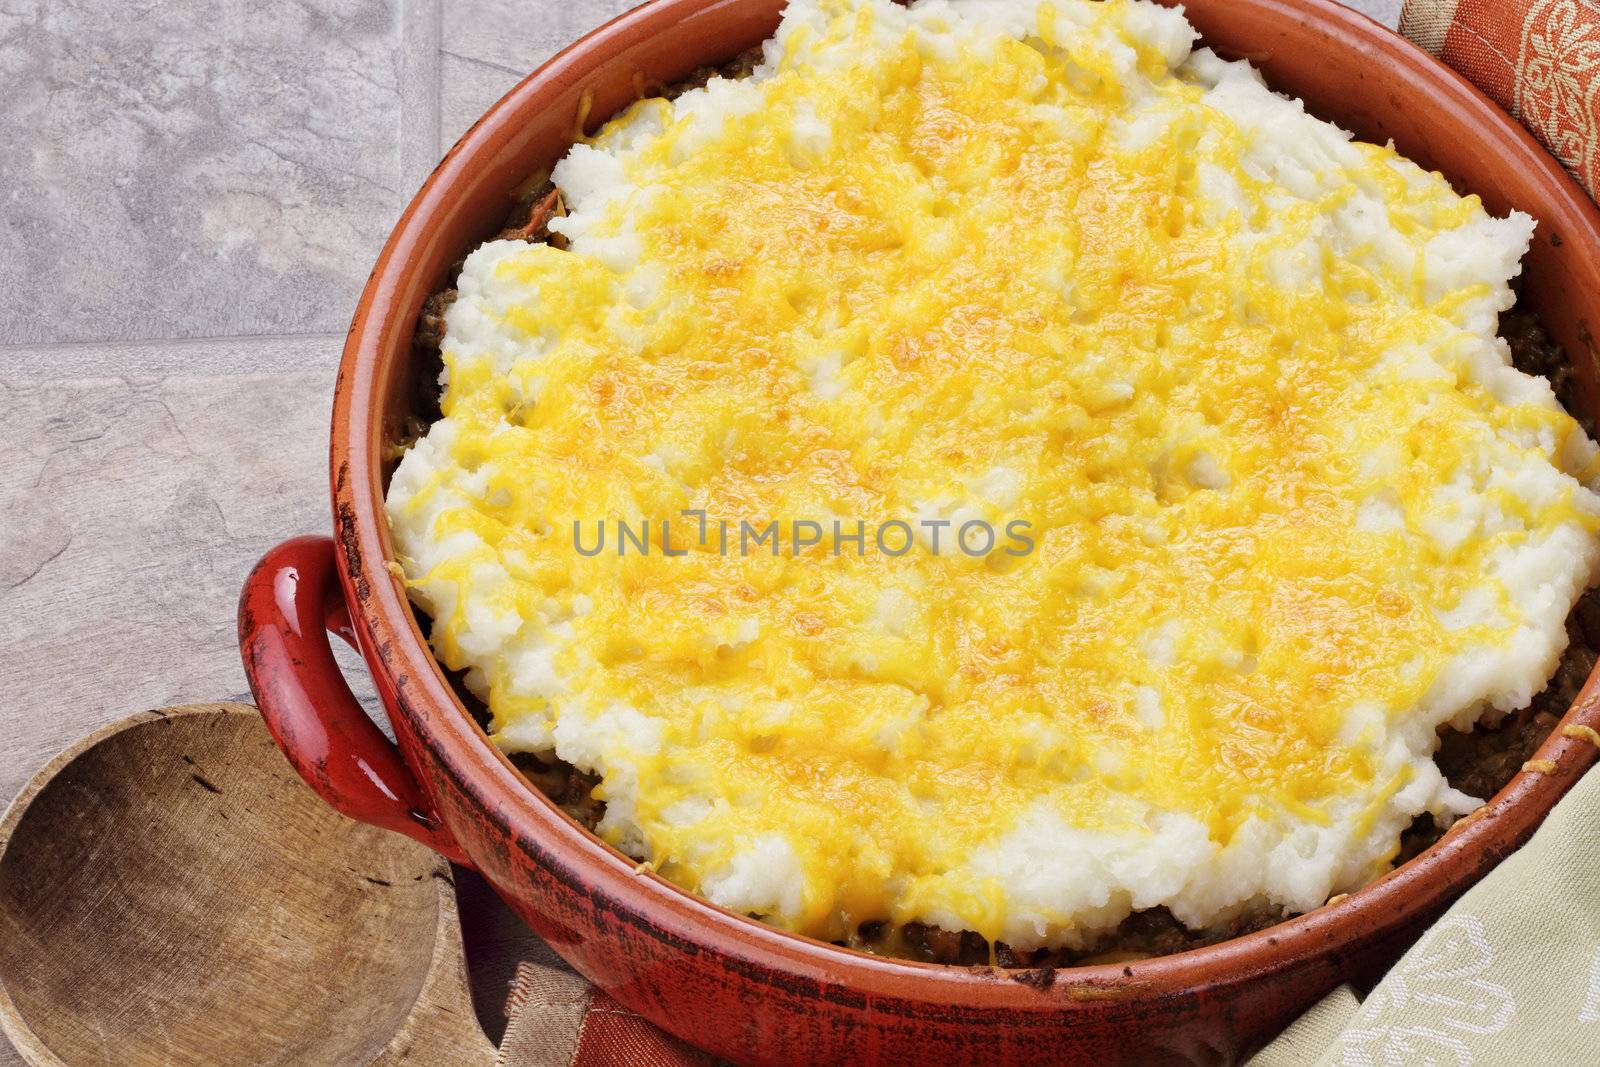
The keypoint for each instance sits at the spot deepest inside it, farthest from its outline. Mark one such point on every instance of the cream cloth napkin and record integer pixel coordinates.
(1510, 975)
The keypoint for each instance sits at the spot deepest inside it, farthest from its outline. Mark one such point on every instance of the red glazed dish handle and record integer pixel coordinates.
(291, 602)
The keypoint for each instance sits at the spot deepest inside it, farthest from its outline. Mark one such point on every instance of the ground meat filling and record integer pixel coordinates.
(1478, 763)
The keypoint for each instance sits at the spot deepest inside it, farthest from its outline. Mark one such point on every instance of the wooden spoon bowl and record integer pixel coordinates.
(171, 893)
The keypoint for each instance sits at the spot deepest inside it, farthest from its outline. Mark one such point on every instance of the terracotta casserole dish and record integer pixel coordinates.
(739, 989)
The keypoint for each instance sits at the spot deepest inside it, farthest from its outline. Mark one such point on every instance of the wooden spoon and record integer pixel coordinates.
(170, 893)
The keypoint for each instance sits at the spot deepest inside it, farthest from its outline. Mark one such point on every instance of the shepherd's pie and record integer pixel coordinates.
(1270, 504)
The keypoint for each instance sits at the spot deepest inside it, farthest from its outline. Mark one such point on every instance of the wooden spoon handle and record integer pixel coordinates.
(291, 601)
(442, 1030)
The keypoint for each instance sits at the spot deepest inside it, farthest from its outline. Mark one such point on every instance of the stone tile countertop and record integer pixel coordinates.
(194, 192)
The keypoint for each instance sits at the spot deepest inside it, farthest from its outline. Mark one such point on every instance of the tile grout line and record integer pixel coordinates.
(200, 357)
(418, 72)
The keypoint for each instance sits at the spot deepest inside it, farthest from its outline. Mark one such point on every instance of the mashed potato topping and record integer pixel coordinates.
(1290, 508)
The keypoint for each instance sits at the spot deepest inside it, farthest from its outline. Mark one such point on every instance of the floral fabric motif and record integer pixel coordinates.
(1442, 978)
(1590, 1012)
(1557, 91)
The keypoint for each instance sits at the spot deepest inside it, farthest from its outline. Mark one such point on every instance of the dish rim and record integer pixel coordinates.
(392, 636)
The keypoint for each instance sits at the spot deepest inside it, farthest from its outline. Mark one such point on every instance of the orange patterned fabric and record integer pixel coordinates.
(1539, 59)
(556, 1019)
(612, 1036)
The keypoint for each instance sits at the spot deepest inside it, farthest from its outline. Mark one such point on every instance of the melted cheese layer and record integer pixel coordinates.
(1291, 509)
